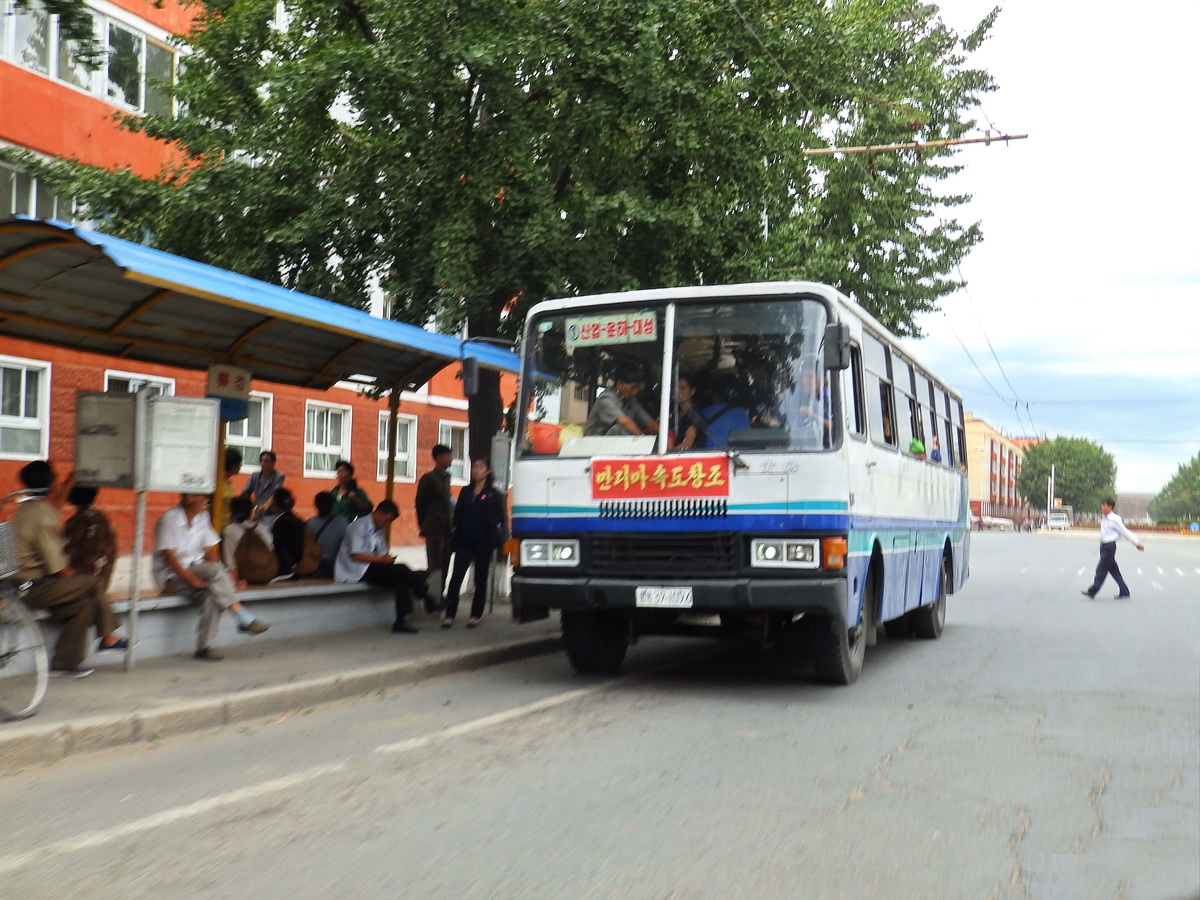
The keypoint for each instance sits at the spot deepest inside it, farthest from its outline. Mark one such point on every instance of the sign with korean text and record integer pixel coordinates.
(612, 328)
(659, 477)
(228, 381)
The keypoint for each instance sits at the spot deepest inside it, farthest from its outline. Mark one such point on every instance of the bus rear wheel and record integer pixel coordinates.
(928, 621)
(595, 641)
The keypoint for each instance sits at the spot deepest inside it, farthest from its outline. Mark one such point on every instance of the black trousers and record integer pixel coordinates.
(1108, 566)
(467, 552)
(403, 581)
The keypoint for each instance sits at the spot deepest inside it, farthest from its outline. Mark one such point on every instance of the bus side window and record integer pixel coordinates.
(857, 397)
(887, 408)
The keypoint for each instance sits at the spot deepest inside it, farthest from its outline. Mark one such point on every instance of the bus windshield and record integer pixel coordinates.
(743, 375)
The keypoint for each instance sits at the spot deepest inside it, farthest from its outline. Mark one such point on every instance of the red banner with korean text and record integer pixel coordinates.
(660, 477)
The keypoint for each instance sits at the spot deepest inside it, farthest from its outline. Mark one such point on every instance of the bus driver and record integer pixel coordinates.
(617, 410)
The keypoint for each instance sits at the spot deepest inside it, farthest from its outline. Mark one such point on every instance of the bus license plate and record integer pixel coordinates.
(664, 597)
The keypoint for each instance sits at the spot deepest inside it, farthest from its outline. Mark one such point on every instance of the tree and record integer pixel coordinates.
(1083, 473)
(1180, 497)
(469, 159)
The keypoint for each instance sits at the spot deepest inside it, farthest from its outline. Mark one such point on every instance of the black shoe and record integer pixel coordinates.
(208, 654)
(1121, 597)
(118, 644)
(401, 627)
(1088, 594)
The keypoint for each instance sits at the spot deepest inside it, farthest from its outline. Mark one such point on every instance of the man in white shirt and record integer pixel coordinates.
(186, 561)
(366, 556)
(1112, 527)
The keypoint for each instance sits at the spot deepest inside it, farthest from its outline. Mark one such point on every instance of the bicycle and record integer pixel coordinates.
(24, 664)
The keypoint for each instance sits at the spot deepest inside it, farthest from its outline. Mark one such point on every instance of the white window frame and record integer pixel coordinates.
(342, 452)
(167, 383)
(250, 463)
(463, 463)
(406, 463)
(41, 420)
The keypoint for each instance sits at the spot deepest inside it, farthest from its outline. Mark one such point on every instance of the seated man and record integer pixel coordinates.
(617, 410)
(364, 556)
(329, 530)
(75, 600)
(186, 562)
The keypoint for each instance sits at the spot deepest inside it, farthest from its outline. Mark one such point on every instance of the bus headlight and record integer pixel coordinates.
(557, 552)
(799, 554)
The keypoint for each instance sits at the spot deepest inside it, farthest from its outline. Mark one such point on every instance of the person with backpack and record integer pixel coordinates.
(186, 561)
(248, 546)
(328, 530)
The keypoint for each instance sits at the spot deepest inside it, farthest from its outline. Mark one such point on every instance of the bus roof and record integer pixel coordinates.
(729, 291)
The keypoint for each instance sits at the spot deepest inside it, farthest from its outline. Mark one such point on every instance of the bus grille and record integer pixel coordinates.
(677, 555)
(653, 509)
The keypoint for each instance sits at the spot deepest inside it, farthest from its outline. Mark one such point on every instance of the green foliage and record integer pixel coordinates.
(1180, 497)
(1083, 473)
(459, 155)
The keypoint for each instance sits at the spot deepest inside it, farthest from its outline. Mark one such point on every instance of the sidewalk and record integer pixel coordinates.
(177, 694)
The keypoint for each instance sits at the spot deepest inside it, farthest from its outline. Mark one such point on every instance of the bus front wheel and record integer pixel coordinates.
(595, 641)
(838, 652)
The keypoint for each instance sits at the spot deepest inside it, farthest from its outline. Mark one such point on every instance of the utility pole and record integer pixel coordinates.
(1049, 495)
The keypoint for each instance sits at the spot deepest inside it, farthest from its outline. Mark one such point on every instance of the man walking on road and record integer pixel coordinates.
(434, 517)
(1112, 527)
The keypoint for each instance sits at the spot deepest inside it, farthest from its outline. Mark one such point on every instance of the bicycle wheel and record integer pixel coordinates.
(23, 666)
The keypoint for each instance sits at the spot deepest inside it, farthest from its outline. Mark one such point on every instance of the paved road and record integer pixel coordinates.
(1048, 746)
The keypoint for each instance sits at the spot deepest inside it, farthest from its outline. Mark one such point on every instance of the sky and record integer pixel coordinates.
(1081, 315)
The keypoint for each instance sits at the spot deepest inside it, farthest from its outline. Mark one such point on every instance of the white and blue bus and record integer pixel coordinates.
(757, 458)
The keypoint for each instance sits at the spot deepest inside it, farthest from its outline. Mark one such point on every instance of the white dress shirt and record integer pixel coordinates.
(1112, 527)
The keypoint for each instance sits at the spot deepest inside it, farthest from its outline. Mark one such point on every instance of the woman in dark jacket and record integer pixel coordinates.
(288, 531)
(480, 525)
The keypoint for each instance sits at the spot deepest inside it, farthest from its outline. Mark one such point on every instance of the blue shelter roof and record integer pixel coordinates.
(76, 288)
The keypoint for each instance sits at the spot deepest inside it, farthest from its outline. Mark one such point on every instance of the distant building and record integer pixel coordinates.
(993, 464)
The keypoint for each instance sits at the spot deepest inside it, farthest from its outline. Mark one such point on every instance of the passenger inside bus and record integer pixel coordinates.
(618, 411)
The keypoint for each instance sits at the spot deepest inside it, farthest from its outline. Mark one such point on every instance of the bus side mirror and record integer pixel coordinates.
(470, 376)
(837, 346)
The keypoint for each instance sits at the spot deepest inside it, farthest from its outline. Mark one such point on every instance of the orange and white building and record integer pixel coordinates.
(55, 108)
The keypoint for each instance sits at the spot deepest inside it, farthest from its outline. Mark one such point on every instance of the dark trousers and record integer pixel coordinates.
(1108, 566)
(437, 558)
(467, 552)
(403, 581)
(74, 602)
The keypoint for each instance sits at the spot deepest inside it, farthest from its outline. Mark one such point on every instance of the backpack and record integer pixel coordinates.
(256, 562)
(310, 558)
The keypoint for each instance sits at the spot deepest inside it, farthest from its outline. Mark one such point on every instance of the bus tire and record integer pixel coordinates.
(838, 652)
(595, 642)
(928, 621)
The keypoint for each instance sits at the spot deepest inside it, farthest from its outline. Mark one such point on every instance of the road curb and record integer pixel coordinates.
(23, 744)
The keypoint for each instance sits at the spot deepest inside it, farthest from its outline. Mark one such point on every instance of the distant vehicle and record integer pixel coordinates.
(1058, 520)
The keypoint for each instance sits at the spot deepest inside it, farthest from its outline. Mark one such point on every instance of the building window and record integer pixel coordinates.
(454, 436)
(326, 438)
(135, 73)
(406, 430)
(24, 394)
(131, 382)
(252, 434)
(24, 195)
